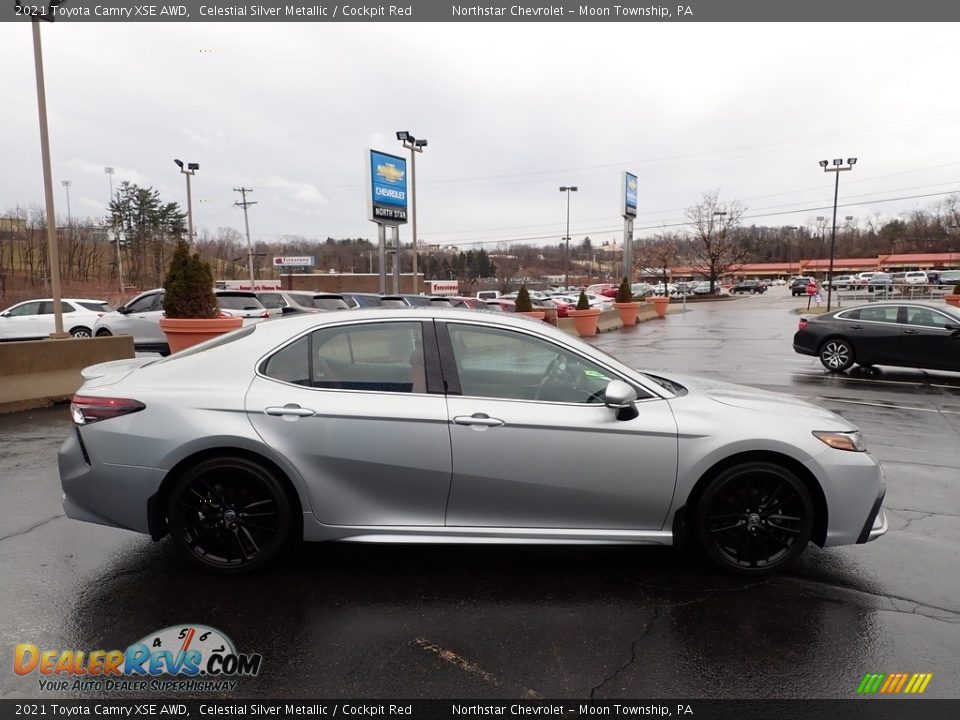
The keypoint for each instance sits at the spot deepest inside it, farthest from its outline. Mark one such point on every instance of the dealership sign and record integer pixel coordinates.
(294, 261)
(629, 195)
(387, 181)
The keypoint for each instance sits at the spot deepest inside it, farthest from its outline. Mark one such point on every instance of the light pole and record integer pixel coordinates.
(566, 254)
(836, 169)
(116, 235)
(414, 145)
(67, 184)
(189, 172)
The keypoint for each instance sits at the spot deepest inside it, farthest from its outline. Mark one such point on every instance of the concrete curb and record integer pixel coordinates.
(35, 373)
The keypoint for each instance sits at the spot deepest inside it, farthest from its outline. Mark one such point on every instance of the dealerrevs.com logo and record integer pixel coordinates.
(178, 658)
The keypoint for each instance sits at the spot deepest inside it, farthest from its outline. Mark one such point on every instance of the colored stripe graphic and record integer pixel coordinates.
(894, 683)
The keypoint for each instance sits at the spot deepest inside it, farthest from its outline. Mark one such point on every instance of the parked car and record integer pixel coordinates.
(641, 289)
(285, 302)
(748, 286)
(703, 288)
(141, 317)
(34, 319)
(916, 277)
(261, 437)
(840, 282)
(359, 299)
(880, 283)
(488, 295)
(901, 334)
(395, 301)
(470, 303)
(799, 285)
(948, 279)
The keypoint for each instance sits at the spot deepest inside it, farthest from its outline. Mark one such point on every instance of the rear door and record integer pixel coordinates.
(20, 321)
(351, 408)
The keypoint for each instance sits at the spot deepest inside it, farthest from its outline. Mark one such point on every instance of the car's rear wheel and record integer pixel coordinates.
(836, 355)
(229, 515)
(81, 332)
(755, 518)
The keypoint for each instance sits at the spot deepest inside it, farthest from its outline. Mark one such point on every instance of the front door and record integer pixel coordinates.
(928, 341)
(20, 321)
(535, 447)
(348, 406)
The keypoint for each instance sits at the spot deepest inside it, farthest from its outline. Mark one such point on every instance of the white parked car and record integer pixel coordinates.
(915, 278)
(141, 317)
(34, 318)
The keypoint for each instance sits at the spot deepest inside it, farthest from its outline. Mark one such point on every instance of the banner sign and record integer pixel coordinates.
(387, 181)
(294, 261)
(629, 195)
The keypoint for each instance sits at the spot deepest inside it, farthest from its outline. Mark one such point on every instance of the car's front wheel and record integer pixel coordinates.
(755, 518)
(836, 355)
(230, 515)
(81, 332)
(103, 332)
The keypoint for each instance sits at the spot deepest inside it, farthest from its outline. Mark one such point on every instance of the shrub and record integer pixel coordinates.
(624, 295)
(522, 302)
(582, 302)
(189, 286)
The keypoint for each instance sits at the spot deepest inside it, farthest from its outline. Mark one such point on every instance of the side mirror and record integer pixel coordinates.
(122, 310)
(288, 311)
(621, 397)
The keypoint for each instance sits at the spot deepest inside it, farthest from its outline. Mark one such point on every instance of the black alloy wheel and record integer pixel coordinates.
(229, 515)
(103, 332)
(836, 355)
(755, 518)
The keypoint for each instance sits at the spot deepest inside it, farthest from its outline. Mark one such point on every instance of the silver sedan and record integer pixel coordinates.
(432, 425)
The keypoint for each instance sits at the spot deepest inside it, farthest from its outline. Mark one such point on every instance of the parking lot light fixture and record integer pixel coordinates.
(837, 168)
(414, 145)
(190, 171)
(566, 253)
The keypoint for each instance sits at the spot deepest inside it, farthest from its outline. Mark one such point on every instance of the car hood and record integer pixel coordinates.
(759, 401)
(107, 373)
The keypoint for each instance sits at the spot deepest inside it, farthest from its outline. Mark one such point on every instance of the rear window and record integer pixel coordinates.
(239, 302)
(97, 306)
(330, 303)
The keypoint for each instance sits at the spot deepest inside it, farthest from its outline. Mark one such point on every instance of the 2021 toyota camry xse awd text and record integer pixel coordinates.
(447, 425)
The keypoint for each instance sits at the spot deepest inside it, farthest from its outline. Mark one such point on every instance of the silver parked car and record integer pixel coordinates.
(454, 426)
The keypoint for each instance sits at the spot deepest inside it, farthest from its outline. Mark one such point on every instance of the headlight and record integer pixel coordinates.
(852, 441)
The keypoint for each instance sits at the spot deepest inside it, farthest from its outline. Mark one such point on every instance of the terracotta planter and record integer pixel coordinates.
(628, 312)
(585, 321)
(182, 334)
(534, 314)
(952, 300)
(659, 304)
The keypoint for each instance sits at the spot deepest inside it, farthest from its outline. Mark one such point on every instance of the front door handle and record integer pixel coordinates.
(290, 410)
(856, 327)
(910, 332)
(479, 419)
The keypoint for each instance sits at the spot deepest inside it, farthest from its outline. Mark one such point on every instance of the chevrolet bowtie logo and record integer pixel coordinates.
(390, 173)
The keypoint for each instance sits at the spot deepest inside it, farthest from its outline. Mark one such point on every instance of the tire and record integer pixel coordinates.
(836, 355)
(755, 518)
(103, 332)
(209, 513)
(81, 332)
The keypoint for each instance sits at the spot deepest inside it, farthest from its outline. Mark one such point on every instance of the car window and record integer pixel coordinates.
(928, 318)
(381, 357)
(886, 313)
(30, 308)
(329, 303)
(239, 302)
(97, 306)
(272, 301)
(46, 308)
(147, 303)
(513, 366)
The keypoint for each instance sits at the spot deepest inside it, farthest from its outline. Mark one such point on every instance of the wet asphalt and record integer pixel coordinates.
(364, 621)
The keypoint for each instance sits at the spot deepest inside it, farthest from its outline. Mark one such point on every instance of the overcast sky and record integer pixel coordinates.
(511, 112)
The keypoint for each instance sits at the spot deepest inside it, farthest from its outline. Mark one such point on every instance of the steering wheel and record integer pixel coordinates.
(553, 372)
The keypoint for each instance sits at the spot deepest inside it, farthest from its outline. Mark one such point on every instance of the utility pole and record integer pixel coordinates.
(245, 204)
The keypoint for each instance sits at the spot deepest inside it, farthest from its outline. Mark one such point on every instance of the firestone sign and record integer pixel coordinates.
(294, 261)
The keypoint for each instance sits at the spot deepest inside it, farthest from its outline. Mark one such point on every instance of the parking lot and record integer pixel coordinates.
(372, 621)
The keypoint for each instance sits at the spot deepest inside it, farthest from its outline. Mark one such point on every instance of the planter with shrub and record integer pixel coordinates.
(584, 317)
(625, 304)
(189, 303)
(954, 298)
(524, 306)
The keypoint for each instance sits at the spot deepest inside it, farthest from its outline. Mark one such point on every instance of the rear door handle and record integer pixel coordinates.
(910, 332)
(480, 419)
(856, 327)
(291, 410)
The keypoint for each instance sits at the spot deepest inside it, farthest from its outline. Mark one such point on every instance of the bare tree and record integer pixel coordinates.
(716, 246)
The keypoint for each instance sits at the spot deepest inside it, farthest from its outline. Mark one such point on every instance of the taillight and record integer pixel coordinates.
(803, 323)
(86, 409)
